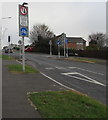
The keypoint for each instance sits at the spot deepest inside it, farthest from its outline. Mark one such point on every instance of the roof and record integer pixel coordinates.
(75, 39)
(70, 39)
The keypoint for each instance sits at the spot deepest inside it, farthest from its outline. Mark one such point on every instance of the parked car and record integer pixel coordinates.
(28, 49)
(7, 50)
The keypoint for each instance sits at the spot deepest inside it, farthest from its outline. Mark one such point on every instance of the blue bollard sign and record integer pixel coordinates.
(23, 31)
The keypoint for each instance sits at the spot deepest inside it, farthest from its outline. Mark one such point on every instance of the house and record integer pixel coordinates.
(77, 43)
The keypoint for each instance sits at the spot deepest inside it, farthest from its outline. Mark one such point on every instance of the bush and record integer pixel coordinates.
(102, 54)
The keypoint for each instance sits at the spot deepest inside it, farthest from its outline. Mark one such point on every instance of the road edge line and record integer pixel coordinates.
(60, 83)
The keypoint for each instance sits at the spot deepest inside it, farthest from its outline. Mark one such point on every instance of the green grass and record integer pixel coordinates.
(67, 104)
(6, 57)
(17, 68)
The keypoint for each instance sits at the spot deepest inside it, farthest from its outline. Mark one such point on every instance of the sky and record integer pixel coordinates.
(73, 18)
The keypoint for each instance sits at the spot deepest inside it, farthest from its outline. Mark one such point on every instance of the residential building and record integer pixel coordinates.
(77, 43)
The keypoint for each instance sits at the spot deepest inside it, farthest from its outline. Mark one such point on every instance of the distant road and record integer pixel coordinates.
(88, 78)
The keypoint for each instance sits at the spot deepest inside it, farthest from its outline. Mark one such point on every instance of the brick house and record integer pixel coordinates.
(77, 43)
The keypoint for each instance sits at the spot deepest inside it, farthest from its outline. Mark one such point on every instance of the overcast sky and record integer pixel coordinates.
(72, 18)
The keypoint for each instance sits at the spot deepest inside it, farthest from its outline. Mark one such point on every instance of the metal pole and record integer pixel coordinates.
(50, 48)
(20, 53)
(9, 49)
(23, 55)
(67, 49)
(58, 50)
(64, 44)
(9, 44)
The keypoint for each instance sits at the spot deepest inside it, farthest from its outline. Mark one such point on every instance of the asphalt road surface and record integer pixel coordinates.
(87, 78)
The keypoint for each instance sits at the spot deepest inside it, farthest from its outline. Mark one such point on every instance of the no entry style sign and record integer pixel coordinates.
(23, 21)
(23, 10)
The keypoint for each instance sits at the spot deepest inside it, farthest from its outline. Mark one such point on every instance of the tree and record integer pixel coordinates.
(40, 34)
(98, 39)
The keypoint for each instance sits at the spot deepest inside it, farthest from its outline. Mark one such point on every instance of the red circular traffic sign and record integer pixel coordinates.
(23, 10)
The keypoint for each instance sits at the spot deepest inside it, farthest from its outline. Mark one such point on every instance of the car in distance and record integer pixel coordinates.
(28, 49)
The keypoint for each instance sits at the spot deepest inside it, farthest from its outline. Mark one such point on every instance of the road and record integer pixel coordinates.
(87, 78)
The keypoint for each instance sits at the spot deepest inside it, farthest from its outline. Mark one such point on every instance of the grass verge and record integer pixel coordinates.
(17, 68)
(6, 57)
(86, 60)
(67, 104)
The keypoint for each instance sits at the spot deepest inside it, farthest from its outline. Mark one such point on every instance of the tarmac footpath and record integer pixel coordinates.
(15, 87)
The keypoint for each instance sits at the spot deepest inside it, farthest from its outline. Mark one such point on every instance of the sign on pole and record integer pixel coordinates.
(23, 29)
(23, 21)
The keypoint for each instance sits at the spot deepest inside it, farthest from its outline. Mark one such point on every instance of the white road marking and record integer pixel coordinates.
(49, 68)
(57, 82)
(60, 67)
(71, 74)
(86, 70)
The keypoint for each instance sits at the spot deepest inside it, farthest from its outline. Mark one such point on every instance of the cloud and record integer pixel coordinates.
(72, 18)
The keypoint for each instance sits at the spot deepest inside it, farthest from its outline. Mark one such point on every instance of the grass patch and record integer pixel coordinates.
(17, 68)
(86, 60)
(67, 104)
(6, 57)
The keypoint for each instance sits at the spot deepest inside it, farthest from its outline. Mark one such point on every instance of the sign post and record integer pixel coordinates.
(64, 37)
(50, 42)
(66, 47)
(23, 29)
(58, 43)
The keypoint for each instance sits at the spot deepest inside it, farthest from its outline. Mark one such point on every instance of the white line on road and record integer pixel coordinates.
(72, 74)
(85, 70)
(57, 82)
(49, 68)
(60, 67)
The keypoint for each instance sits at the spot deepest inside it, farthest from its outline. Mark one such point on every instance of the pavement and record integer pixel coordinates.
(15, 87)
